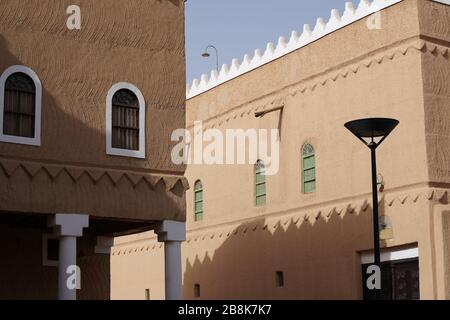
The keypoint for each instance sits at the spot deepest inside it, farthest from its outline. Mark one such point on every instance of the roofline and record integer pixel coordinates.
(297, 41)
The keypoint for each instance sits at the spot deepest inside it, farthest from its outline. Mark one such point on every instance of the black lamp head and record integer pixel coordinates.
(372, 128)
(206, 55)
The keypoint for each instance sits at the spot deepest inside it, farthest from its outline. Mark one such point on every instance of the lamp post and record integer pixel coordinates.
(207, 55)
(368, 131)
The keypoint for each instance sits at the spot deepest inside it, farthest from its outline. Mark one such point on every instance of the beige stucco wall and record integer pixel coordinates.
(435, 30)
(137, 266)
(134, 41)
(140, 42)
(399, 72)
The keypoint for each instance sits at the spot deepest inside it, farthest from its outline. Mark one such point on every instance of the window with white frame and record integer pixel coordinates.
(125, 121)
(20, 106)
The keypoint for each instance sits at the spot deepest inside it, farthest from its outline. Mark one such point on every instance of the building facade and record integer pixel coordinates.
(306, 232)
(89, 95)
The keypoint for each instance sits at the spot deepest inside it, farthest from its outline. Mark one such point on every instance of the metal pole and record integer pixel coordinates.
(217, 55)
(217, 58)
(376, 228)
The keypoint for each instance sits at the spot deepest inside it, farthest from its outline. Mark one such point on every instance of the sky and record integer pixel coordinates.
(237, 27)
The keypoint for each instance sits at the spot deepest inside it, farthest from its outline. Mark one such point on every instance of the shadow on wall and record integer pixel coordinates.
(76, 71)
(73, 131)
(22, 275)
(317, 258)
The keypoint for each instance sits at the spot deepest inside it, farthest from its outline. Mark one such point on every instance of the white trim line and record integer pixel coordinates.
(391, 255)
(36, 141)
(122, 152)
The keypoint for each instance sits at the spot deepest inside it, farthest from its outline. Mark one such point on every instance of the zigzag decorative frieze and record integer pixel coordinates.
(312, 84)
(421, 46)
(272, 224)
(32, 169)
(296, 41)
(432, 195)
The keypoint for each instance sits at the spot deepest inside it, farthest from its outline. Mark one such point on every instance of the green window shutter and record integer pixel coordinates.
(308, 169)
(198, 201)
(260, 184)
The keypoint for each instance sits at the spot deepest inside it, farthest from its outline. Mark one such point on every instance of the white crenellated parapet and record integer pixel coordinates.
(293, 40)
(269, 53)
(443, 1)
(283, 47)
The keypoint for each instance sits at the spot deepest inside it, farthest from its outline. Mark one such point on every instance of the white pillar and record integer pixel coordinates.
(173, 276)
(67, 258)
(68, 227)
(172, 233)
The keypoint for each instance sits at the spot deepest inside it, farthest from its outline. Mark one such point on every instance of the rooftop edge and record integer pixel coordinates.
(296, 41)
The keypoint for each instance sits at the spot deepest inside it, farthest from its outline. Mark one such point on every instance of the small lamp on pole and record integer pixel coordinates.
(207, 55)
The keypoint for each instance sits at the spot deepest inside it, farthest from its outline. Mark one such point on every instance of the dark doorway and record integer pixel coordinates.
(399, 280)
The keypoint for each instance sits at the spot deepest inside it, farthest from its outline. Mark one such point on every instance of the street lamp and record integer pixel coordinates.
(368, 131)
(207, 55)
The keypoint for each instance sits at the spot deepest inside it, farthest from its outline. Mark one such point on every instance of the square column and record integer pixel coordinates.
(68, 227)
(172, 233)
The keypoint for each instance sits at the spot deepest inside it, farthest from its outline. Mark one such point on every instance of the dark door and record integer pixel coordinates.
(399, 280)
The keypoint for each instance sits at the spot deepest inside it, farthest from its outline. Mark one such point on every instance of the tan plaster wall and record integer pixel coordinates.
(439, 247)
(364, 85)
(436, 87)
(137, 265)
(141, 42)
(435, 29)
(318, 253)
(316, 239)
(445, 293)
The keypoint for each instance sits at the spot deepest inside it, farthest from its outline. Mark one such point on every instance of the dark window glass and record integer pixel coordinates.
(125, 120)
(20, 106)
(197, 290)
(399, 280)
(280, 279)
(52, 249)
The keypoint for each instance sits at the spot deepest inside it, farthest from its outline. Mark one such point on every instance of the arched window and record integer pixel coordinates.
(20, 106)
(308, 169)
(260, 184)
(125, 121)
(198, 201)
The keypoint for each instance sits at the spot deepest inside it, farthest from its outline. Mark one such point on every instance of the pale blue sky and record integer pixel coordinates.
(237, 27)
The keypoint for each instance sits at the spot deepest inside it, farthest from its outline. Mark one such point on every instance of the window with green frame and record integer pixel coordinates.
(198, 201)
(260, 184)
(308, 169)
